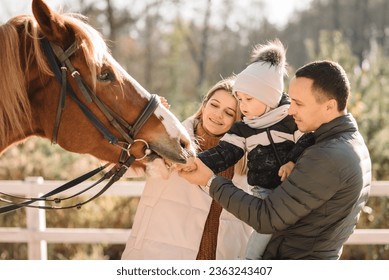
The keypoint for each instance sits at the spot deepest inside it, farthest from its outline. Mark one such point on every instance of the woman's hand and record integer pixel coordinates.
(164, 102)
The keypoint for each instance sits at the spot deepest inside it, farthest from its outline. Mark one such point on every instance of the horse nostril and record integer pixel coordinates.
(185, 144)
(188, 146)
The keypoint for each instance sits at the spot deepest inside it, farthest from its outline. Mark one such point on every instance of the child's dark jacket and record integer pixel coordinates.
(262, 163)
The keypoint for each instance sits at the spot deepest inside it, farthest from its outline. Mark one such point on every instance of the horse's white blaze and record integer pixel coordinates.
(141, 90)
(172, 125)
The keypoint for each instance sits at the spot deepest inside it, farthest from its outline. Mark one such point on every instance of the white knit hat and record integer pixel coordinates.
(264, 77)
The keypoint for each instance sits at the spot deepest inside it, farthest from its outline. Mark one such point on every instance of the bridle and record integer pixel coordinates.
(53, 53)
(57, 56)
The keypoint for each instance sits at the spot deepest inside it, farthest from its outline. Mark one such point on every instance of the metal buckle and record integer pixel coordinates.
(147, 150)
(74, 73)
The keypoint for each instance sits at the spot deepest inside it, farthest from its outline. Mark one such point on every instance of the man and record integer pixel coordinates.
(315, 210)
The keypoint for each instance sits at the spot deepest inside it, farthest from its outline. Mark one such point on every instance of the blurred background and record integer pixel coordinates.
(178, 49)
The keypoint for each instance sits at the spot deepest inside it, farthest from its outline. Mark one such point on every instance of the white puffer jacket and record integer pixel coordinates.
(170, 218)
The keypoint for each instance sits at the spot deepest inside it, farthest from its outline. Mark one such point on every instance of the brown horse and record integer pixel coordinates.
(33, 101)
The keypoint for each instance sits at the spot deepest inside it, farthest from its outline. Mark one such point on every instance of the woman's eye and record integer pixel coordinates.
(297, 104)
(106, 76)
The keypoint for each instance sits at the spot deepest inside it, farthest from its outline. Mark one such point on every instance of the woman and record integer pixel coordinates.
(174, 220)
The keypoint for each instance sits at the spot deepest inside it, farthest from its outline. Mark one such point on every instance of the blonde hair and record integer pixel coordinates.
(226, 84)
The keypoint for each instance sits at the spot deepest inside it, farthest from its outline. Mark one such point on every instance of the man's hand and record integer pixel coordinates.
(199, 176)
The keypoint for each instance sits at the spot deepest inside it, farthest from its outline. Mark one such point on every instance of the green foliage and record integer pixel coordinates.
(105, 212)
(37, 157)
(372, 103)
(375, 215)
(84, 251)
(178, 76)
(13, 251)
(365, 252)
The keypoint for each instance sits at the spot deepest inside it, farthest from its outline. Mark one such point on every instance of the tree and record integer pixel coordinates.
(357, 20)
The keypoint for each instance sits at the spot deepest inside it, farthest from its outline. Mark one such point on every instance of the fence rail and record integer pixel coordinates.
(37, 235)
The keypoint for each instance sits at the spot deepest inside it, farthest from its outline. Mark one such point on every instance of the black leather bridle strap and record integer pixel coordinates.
(60, 107)
(63, 57)
(147, 112)
(69, 91)
(58, 190)
(53, 50)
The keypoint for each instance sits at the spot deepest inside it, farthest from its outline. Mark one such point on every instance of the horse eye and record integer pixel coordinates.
(106, 76)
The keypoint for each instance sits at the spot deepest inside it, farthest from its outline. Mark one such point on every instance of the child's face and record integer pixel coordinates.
(250, 106)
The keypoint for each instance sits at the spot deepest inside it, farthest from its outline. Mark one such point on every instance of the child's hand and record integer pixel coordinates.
(164, 102)
(285, 170)
(187, 167)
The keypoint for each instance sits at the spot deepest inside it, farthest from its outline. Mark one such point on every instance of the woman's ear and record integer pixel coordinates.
(203, 108)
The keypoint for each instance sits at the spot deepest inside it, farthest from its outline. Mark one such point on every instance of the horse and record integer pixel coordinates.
(59, 81)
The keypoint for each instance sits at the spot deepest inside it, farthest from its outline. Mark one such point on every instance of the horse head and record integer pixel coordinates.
(106, 91)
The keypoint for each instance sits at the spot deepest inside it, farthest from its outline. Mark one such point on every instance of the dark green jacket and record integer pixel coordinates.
(312, 213)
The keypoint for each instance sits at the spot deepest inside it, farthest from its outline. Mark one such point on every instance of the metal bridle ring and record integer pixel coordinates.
(147, 150)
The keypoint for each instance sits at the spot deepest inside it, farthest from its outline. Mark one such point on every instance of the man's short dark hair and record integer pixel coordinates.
(329, 80)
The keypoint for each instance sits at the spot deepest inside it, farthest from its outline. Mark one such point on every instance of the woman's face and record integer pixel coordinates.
(219, 112)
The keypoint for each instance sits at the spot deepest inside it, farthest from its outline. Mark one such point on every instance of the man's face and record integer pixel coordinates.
(307, 112)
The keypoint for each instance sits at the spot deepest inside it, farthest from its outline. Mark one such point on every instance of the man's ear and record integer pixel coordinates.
(332, 106)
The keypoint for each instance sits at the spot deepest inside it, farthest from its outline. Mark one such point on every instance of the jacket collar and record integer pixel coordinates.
(341, 124)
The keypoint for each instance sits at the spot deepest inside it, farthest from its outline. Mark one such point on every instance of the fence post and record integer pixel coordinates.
(36, 222)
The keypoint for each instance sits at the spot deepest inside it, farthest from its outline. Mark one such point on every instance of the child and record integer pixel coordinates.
(267, 133)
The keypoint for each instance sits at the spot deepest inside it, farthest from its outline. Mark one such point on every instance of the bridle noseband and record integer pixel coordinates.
(55, 53)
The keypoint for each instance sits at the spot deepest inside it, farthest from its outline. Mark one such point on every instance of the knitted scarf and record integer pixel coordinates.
(272, 117)
(207, 248)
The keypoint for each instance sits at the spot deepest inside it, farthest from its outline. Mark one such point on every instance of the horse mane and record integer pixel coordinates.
(15, 108)
(14, 104)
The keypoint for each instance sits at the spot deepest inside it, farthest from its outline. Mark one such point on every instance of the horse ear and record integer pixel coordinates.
(50, 22)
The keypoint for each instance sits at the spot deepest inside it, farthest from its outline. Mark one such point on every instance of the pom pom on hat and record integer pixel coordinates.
(264, 77)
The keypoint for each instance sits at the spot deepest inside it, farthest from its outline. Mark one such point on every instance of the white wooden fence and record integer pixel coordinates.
(37, 235)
